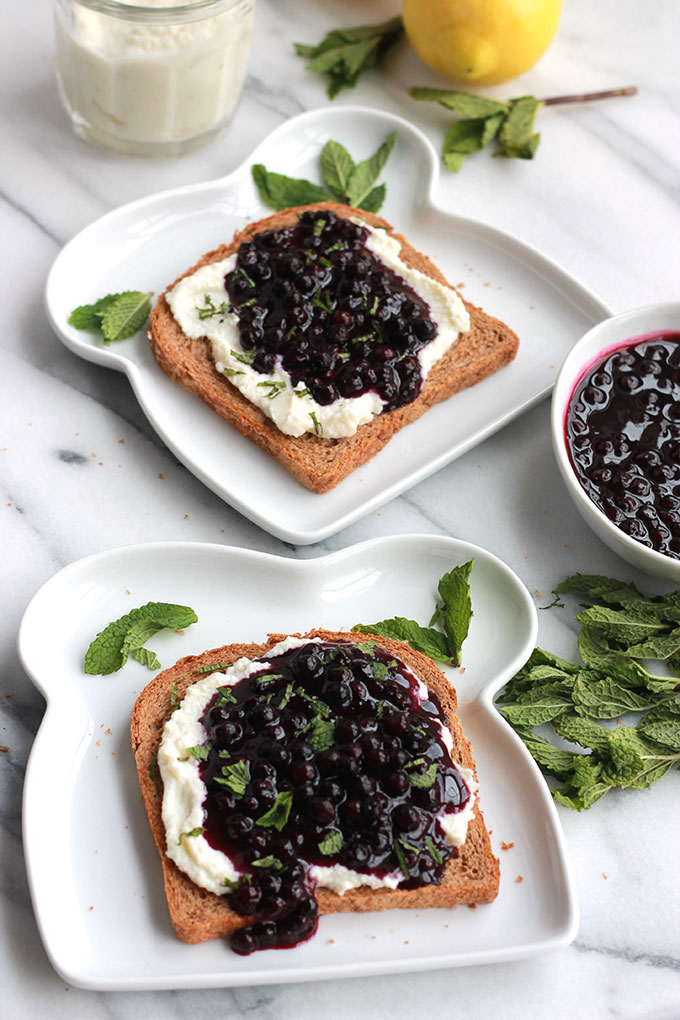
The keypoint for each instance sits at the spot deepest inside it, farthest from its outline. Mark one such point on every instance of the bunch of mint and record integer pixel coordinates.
(116, 316)
(621, 632)
(344, 180)
(127, 636)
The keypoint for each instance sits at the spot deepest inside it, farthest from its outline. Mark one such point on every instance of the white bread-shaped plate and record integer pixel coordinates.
(147, 244)
(93, 869)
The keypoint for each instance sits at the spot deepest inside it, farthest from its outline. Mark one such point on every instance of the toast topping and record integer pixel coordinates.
(623, 435)
(321, 324)
(321, 764)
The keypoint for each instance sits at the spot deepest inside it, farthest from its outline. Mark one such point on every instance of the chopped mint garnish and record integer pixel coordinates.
(268, 862)
(235, 777)
(198, 831)
(331, 843)
(210, 309)
(277, 816)
(200, 752)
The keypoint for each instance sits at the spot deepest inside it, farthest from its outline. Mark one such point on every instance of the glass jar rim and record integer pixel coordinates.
(173, 10)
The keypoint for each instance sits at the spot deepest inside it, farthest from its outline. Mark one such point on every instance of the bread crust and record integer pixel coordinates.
(318, 463)
(198, 915)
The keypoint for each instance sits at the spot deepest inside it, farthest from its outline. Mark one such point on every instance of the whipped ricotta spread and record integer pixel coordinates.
(184, 791)
(160, 80)
(293, 410)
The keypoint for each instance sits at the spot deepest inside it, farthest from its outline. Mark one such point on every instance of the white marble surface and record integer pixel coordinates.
(601, 198)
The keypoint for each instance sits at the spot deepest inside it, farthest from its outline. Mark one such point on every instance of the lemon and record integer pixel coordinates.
(480, 42)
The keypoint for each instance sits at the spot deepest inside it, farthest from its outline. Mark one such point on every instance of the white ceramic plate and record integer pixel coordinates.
(146, 245)
(94, 872)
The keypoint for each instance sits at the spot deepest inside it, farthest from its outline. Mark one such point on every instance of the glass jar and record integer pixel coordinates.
(151, 77)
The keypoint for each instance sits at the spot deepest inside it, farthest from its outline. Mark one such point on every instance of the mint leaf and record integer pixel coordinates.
(516, 137)
(277, 816)
(365, 174)
(125, 315)
(598, 697)
(465, 103)
(344, 54)
(110, 649)
(336, 168)
(423, 639)
(374, 199)
(662, 725)
(332, 843)
(146, 657)
(455, 612)
(539, 705)
(466, 136)
(596, 586)
(281, 192)
(89, 316)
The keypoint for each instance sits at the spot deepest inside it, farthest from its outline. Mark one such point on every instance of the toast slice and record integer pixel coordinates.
(470, 877)
(319, 463)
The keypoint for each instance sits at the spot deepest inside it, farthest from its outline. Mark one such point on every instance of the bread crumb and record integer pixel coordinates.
(330, 942)
(178, 631)
(4, 747)
(91, 908)
(506, 846)
(128, 591)
(472, 906)
(604, 874)
(519, 878)
(567, 546)
(160, 475)
(406, 942)
(186, 517)
(446, 925)
(539, 593)
(120, 440)
(99, 743)
(108, 730)
(462, 669)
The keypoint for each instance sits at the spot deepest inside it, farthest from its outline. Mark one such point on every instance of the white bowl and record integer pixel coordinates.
(599, 340)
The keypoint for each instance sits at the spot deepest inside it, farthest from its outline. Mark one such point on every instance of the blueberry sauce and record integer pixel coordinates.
(325, 756)
(622, 428)
(316, 300)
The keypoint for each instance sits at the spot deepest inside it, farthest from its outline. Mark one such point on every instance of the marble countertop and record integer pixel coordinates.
(601, 199)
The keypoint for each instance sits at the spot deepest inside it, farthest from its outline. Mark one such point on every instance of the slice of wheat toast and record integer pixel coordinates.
(318, 463)
(197, 915)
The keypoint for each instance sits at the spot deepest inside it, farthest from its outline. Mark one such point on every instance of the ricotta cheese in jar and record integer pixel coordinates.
(184, 791)
(151, 77)
(293, 409)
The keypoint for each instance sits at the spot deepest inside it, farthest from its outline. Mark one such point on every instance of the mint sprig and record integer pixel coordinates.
(621, 631)
(509, 122)
(344, 180)
(344, 54)
(126, 636)
(116, 316)
(453, 614)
